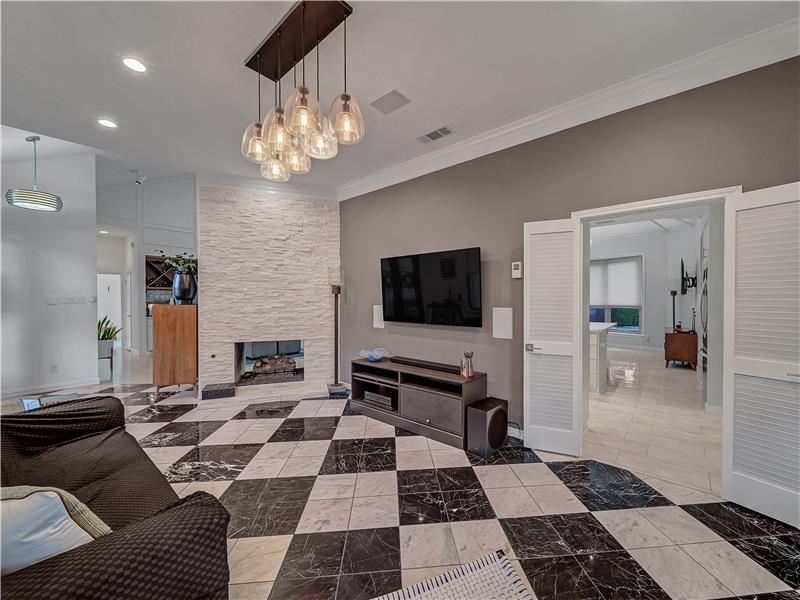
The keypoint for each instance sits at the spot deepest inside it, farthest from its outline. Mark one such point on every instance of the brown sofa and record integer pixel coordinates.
(160, 546)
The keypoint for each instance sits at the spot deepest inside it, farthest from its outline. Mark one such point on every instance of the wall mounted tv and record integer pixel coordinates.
(438, 288)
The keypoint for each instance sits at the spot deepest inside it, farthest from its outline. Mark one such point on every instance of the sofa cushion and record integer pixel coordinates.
(40, 522)
(108, 472)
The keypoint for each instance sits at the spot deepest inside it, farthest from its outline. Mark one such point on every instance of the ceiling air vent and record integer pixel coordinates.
(435, 134)
(388, 103)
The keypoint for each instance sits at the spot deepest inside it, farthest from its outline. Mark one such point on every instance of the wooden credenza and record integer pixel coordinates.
(174, 344)
(681, 346)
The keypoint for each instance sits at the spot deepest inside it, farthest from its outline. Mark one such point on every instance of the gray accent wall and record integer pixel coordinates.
(739, 131)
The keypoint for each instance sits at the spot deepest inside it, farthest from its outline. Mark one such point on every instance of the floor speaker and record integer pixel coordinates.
(487, 426)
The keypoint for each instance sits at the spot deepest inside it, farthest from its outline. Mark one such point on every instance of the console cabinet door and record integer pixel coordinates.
(552, 382)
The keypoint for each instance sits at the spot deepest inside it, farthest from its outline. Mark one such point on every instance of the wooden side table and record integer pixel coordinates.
(681, 346)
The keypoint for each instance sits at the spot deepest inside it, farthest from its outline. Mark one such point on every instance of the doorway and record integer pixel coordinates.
(109, 300)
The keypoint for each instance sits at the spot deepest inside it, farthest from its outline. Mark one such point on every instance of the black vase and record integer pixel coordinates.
(184, 287)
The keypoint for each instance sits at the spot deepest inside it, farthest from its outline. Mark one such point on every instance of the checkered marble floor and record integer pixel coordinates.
(329, 504)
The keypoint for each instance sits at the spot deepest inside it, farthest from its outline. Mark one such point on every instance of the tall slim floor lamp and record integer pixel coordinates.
(336, 389)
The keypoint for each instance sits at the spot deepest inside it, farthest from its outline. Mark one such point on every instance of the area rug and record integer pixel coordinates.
(491, 577)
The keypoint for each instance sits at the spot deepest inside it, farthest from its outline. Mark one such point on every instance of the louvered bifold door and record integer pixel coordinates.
(551, 411)
(761, 404)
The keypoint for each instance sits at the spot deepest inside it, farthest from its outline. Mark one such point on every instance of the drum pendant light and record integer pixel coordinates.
(34, 199)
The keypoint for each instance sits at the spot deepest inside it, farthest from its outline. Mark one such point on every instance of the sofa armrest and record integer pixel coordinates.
(179, 553)
(40, 428)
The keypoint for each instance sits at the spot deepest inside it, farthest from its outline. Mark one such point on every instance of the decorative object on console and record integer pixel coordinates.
(34, 199)
(374, 355)
(466, 364)
(184, 284)
(283, 143)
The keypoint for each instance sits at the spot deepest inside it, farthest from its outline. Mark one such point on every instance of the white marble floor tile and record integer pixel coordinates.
(427, 546)
(453, 457)
(407, 461)
(228, 433)
(257, 559)
(631, 529)
(555, 499)
(301, 466)
(512, 502)
(250, 591)
(276, 450)
(680, 494)
(331, 408)
(311, 448)
(474, 539)
(140, 430)
(306, 408)
(334, 486)
(374, 511)
(412, 576)
(678, 525)
(678, 574)
(382, 483)
(262, 468)
(411, 443)
(348, 433)
(325, 515)
(734, 569)
(380, 430)
(531, 474)
(215, 488)
(497, 476)
(167, 454)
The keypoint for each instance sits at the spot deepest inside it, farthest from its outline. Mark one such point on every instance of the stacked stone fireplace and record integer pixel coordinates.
(258, 363)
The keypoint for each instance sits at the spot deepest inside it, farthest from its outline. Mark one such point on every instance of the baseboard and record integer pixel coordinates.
(50, 387)
(515, 432)
(715, 409)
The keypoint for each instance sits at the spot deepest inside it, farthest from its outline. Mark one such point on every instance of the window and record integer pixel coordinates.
(615, 293)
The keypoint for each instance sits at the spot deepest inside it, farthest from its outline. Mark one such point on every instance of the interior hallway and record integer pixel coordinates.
(651, 420)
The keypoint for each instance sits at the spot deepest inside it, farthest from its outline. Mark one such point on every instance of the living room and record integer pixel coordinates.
(370, 334)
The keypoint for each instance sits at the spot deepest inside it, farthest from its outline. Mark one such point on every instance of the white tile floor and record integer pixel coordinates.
(651, 420)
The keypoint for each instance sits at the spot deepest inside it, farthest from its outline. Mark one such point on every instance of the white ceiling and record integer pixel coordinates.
(474, 66)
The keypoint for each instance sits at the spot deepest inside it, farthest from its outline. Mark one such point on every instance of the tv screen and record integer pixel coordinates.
(438, 288)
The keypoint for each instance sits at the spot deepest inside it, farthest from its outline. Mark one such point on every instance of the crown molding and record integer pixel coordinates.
(738, 56)
(259, 184)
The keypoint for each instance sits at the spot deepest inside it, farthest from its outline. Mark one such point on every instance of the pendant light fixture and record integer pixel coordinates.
(345, 115)
(320, 143)
(277, 135)
(34, 199)
(253, 147)
(302, 108)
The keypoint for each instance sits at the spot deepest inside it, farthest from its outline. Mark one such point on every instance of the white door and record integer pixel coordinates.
(128, 331)
(551, 386)
(761, 373)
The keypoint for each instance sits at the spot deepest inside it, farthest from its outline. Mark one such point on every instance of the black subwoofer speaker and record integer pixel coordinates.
(487, 426)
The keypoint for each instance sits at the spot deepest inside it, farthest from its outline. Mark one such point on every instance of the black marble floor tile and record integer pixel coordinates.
(726, 523)
(260, 507)
(417, 480)
(267, 410)
(427, 507)
(335, 463)
(768, 524)
(290, 488)
(185, 433)
(212, 463)
(458, 478)
(159, 413)
(780, 555)
(372, 550)
(126, 388)
(559, 578)
(517, 455)
(345, 446)
(286, 435)
(378, 446)
(619, 577)
(295, 430)
(363, 586)
(245, 492)
(513, 441)
(534, 537)
(583, 533)
(604, 487)
(318, 588)
(313, 555)
(467, 505)
(477, 461)
(371, 463)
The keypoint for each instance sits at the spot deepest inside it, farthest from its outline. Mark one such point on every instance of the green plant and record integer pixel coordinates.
(182, 263)
(106, 330)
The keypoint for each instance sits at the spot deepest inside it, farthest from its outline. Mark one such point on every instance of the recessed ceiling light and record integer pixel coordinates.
(106, 123)
(103, 231)
(134, 65)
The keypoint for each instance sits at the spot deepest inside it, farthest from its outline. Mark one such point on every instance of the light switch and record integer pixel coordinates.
(516, 270)
(503, 323)
(51, 300)
(377, 316)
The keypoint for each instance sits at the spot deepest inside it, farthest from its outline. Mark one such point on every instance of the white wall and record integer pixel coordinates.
(109, 297)
(164, 215)
(45, 346)
(110, 254)
(661, 262)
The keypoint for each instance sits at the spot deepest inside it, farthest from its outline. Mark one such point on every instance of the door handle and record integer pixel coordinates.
(531, 348)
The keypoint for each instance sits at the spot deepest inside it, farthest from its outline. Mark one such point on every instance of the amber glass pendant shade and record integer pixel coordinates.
(302, 111)
(321, 144)
(274, 170)
(346, 120)
(253, 147)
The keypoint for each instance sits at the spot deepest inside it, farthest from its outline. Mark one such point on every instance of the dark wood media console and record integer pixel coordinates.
(425, 401)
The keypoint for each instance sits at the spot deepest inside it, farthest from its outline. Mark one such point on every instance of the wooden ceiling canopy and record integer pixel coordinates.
(321, 18)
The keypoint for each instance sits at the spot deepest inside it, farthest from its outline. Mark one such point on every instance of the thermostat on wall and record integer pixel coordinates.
(516, 270)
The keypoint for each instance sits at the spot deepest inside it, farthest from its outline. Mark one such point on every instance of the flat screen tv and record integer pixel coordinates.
(438, 288)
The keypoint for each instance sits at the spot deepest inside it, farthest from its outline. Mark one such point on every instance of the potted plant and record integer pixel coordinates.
(184, 284)
(106, 334)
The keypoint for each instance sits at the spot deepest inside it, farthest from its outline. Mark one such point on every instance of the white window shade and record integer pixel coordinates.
(616, 282)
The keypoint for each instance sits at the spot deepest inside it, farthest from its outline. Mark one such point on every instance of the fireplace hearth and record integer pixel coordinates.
(259, 363)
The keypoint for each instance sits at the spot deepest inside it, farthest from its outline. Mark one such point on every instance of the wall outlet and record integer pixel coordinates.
(53, 370)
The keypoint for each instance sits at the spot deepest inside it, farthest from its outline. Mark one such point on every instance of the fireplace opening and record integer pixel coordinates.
(258, 363)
